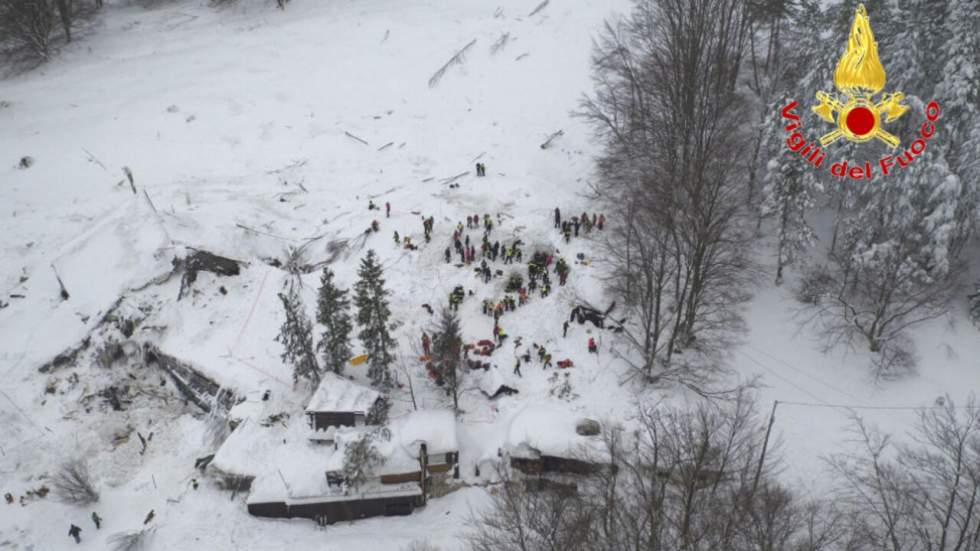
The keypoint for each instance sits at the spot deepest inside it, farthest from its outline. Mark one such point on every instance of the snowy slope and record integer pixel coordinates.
(235, 123)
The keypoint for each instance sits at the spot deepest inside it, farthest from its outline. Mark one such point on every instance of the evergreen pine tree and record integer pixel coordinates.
(332, 305)
(790, 192)
(370, 298)
(296, 336)
(447, 346)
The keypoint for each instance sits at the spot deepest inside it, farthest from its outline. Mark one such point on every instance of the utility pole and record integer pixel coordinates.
(765, 445)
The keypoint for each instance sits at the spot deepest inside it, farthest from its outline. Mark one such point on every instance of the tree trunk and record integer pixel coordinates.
(64, 11)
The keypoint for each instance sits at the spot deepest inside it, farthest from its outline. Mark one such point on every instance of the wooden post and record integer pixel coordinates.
(765, 444)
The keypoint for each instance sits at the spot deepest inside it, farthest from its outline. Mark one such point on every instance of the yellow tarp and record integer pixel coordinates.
(358, 360)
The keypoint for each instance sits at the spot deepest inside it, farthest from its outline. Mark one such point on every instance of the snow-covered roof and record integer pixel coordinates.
(435, 427)
(336, 393)
(549, 431)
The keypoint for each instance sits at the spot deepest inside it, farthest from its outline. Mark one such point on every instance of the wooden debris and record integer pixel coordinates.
(454, 178)
(129, 176)
(540, 7)
(551, 138)
(500, 43)
(457, 59)
(349, 135)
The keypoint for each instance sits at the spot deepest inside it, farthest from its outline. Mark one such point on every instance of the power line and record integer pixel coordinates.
(844, 406)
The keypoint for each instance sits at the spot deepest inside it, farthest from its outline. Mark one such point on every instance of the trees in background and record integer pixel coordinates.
(669, 115)
(371, 300)
(677, 480)
(26, 27)
(918, 495)
(895, 255)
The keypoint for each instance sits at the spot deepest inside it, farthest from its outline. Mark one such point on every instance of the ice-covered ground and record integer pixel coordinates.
(235, 123)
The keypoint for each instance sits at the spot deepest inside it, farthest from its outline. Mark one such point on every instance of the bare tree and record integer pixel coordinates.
(26, 27)
(680, 480)
(666, 108)
(73, 483)
(131, 540)
(924, 495)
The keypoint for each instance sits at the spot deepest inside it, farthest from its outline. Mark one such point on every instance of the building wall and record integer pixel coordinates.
(321, 420)
(335, 511)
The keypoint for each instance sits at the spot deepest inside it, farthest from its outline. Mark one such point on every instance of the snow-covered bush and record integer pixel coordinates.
(420, 545)
(975, 304)
(131, 540)
(378, 414)
(73, 483)
(360, 458)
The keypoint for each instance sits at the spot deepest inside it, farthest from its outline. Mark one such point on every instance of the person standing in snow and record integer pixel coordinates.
(425, 343)
(97, 520)
(387, 209)
(449, 255)
(398, 241)
(601, 222)
(75, 532)
(557, 218)
(564, 329)
(517, 367)
(593, 349)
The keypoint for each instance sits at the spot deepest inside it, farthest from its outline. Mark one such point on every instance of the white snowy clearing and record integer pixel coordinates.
(244, 129)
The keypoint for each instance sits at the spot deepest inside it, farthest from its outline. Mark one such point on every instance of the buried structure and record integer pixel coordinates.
(405, 460)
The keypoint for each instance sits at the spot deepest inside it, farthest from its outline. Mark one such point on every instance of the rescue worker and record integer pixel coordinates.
(564, 329)
(387, 209)
(568, 232)
(75, 532)
(375, 226)
(517, 367)
(593, 349)
(576, 223)
(557, 217)
(601, 222)
(397, 240)
(426, 343)
(97, 520)
(449, 255)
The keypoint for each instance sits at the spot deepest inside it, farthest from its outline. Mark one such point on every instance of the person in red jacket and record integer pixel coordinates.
(593, 349)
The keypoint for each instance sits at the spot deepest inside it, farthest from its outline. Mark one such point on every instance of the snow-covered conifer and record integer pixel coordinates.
(296, 336)
(371, 300)
(332, 312)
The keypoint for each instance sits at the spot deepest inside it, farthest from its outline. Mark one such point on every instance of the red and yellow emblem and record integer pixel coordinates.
(859, 77)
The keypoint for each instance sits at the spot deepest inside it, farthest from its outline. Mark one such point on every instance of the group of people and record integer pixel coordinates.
(568, 227)
(481, 169)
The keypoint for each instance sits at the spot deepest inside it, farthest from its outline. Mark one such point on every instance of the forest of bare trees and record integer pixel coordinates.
(690, 480)
(669, 113)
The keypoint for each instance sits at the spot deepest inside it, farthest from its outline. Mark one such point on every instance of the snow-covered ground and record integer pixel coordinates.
(235, 124)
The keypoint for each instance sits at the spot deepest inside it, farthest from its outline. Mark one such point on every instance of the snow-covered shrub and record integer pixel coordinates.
(73, 483)
(896, 359)
(378, 414)
(814, 285)
(514, 282)
(975, 304)
(420, 545)
(131, 540)
(360, 458)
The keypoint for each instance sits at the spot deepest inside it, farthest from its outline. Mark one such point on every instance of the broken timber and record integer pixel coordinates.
(551, 138)
(349, 135)
(197, 387)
